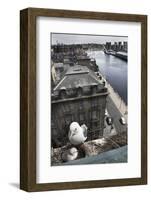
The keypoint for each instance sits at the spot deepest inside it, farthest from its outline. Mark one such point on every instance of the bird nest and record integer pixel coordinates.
(89, 148)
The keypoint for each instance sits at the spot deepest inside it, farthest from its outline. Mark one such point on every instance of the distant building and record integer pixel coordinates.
(80, 96)
(84, 60)
(125, 46)
(108, 45)
(115, 46)
(119, 46)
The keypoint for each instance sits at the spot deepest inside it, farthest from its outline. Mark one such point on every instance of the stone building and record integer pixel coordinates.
(108, 45)
(84, 60)
(80, 96)
(125, 46)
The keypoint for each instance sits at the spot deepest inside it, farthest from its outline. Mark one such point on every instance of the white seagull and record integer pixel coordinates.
(77, 134)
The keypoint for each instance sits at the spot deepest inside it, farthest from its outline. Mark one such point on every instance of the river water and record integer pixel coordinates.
(114, 70)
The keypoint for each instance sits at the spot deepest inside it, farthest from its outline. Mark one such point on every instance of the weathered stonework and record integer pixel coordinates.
(84, 103)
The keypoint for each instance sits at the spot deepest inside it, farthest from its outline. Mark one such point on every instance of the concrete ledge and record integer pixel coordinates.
(118, 155)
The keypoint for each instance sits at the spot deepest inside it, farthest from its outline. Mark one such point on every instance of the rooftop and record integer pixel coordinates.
(78, 76)
(83, 57)
(77, 70)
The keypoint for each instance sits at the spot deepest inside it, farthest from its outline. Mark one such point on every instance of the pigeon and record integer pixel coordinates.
(77, 134)
(70, 154)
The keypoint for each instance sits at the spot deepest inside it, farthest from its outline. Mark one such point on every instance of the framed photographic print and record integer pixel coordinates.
(83, 99)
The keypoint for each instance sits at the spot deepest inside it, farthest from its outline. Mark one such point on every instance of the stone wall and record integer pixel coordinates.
(89, 110)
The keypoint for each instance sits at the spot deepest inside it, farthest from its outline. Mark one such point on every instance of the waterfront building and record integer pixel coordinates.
(84, 60)
(119, 46)
(125, 46)
(108, 45)
(79, 96)
(115, 46)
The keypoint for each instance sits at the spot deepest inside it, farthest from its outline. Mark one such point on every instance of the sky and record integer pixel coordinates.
(62, 38)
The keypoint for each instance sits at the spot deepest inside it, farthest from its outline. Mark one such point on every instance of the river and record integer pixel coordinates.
(114, 70)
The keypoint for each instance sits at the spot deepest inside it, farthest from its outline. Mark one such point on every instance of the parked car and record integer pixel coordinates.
(109, 120)
(122, 120)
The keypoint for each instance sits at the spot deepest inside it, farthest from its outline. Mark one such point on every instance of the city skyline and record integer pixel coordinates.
(65, 38)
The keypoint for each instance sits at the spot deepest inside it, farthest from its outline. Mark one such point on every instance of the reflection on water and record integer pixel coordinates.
(114, 70)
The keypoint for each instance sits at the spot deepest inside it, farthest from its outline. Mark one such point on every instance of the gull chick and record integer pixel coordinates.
(77, 134)
(70, 154)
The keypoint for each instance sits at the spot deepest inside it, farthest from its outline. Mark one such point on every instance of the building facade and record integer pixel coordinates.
(80, 96)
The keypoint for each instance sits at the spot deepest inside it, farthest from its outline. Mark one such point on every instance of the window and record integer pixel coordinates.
(94, 115)
(80, 105)
(66, 108)
(68, 119)
(94, 102)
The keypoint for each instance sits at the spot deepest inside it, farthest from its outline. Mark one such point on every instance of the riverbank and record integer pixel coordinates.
(114, 70)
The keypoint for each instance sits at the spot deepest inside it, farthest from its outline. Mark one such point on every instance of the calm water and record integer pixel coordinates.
(114, 70)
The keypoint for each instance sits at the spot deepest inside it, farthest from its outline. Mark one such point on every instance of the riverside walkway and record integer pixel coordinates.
(116, 108)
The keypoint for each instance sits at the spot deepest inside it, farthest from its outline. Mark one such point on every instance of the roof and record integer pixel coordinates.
(58, 65)
(78, 76)
(77, 70)
(83, 57)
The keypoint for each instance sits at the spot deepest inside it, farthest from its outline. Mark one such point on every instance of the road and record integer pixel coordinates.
(115, 114)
